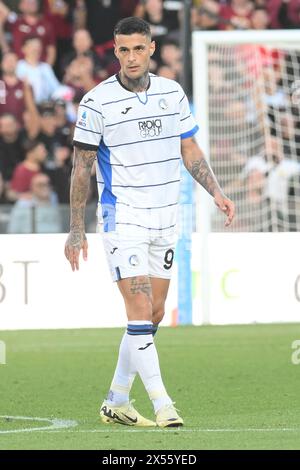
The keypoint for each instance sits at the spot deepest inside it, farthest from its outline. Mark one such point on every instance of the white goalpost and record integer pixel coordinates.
(247, 104)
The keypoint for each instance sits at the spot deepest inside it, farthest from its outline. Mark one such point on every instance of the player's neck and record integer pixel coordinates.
(136, 85)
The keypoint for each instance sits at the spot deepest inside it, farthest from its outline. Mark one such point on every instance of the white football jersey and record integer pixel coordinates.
(137, 137)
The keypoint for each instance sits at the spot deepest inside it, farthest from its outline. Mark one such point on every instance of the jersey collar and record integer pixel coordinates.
(123, 86)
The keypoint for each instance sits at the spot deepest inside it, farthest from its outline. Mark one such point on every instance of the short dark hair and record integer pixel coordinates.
(170, 42)
(31, 38)
(31, 144)
(132, 25)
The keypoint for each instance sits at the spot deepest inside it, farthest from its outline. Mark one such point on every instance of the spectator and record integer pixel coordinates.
(162, 23)
(18, 95)
(83, 47)
(236, 14)
(38, 212)
(79, 75)
(260, 3)
(4, 47)
(104, 13)
(31, 125)
(36, 154)
(269, 179)
(31, 23)
(57, 164)
(255, 174)
(284, 13)
(72, 110)
(128, 7)
(11, 148)
(171, 56)
(167, 72)
(39, 74)
(260, 18)
(63, 123)
(12, 4)
(51, 135)
(289, 14)
(207, 16)
(2, 197)
(59, 13)
(289, 134)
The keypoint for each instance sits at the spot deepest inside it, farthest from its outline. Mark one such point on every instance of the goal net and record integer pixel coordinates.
(247, 100)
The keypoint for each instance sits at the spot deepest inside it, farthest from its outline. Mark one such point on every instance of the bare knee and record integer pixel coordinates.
(139, 307)
(137, 296)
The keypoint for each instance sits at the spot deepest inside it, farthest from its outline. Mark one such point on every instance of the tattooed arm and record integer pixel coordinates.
(80, 181)
(200, 170)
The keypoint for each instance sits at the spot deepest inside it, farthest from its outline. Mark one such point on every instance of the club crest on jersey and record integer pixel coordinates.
(163, 104)
(133, 260)
(150, 128)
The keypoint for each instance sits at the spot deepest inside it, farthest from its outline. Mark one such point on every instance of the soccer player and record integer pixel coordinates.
(137, 126)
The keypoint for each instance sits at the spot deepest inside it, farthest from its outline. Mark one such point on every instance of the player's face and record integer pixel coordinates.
(134, 52)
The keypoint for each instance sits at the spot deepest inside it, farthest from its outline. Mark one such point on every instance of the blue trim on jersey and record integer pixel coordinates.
(142, 226)
(138, 97)
(147, 163)
(183, 119)
(187, 134)
(144, 141)
(88, 130)
(142, 117)
(108, 199)
(92, 109)
(146, 186)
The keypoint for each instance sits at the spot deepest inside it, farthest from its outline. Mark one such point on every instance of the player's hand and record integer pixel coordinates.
(76, 242)
(226, 206)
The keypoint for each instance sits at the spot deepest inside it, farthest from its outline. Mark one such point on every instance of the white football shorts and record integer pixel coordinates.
(146, 255)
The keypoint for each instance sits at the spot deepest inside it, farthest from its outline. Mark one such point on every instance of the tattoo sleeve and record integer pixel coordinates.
(80, 182)
(199, 168)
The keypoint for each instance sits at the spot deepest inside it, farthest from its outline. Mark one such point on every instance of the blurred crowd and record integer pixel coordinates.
(246, 14)
(53, 51)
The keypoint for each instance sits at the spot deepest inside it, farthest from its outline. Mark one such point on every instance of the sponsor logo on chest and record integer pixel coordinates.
(150, 128)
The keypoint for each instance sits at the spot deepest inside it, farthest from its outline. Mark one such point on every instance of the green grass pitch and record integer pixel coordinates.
(235, 386)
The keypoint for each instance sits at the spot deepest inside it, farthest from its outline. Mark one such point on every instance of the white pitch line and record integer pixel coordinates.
(60, 425)
(122, 430)
(55, 424)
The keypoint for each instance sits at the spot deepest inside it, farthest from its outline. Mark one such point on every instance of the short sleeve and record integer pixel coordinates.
(89, 126)
(188, 126)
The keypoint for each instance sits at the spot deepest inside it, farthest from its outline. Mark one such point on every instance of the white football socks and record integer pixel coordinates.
(144, 360)
(137, 353)
(123, 377)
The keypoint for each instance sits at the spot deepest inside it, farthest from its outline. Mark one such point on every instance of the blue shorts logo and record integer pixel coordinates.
(133, 260)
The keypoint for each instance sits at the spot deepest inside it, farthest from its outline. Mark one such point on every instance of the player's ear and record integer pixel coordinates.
(152, 48)
(115, 51)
